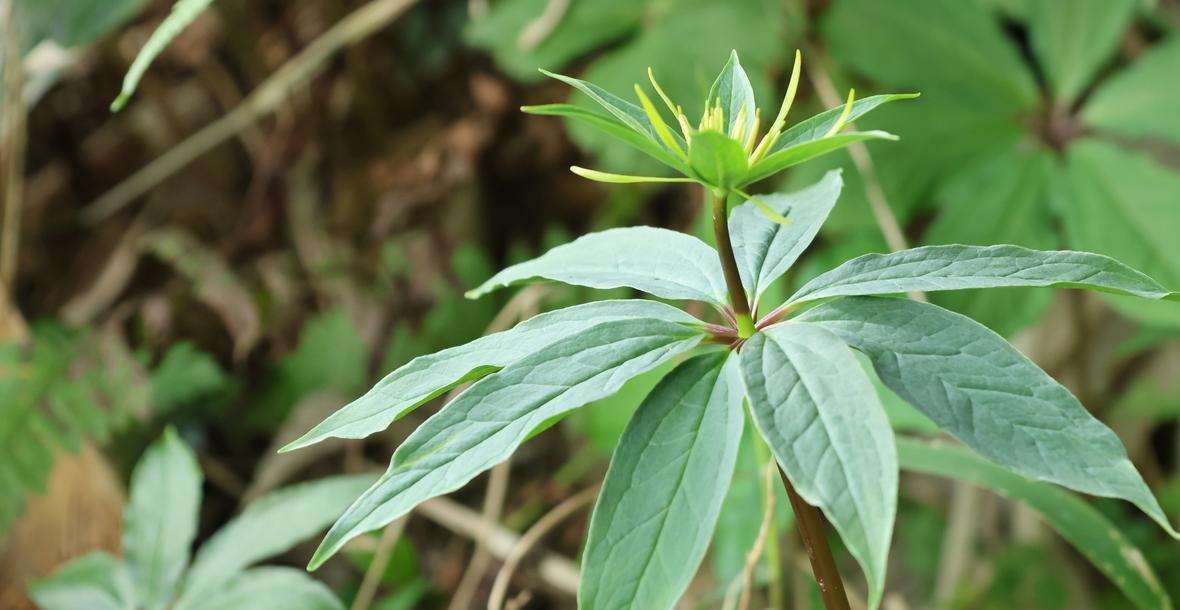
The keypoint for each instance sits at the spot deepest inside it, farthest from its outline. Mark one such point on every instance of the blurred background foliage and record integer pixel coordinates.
(286, 261)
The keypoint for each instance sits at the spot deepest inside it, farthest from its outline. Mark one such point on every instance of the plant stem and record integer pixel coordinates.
(733, 279)
(813, 532)
(808, 519)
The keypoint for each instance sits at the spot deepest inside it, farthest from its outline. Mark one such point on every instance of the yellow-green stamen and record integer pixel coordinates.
(843, 115)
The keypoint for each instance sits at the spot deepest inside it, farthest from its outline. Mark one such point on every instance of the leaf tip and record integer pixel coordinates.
(120, 102)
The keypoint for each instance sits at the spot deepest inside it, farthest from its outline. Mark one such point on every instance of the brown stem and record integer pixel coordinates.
(807, 518)
(733, 279)
(812, 530)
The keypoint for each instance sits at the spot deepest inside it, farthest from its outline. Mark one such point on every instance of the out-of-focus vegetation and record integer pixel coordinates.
(250, 290)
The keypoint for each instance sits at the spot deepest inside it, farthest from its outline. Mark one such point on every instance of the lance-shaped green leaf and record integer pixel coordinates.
(183, 13)
(427, 377)
(613, 127)
(818, 126)
(717, 159)
(822, 419)
(267, 588)
(1130, 103)
(663, 263)
(1091, 533)
(980, 389)
(629, 114)
(793, 155)
(958, 267)
(270, 525)
(488, 421)
(663, 492)
(96, 581)
(1073, 45)
(734, 91)
(765, 249)
(161, 519)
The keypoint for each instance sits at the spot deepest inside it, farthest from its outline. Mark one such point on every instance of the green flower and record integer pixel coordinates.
(725, 151)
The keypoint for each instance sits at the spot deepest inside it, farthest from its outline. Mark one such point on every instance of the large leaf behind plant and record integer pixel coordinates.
(1072, 45)
(662, 495)
(1131, 104)
(1003, 199)
(486, 423)
(977, 387)
(161, 519)
(822, 419)
(267, 588)
(1082, 525)
(1124, 204)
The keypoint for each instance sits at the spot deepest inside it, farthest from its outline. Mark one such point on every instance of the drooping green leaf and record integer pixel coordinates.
(765, 249)
(1072, 45)
(1084, 527)
(821, 417)
(96, 581)
(1123, 204)
(666, 264)
(805, 151)
(161, 519)
(267, 588)
(1003, 199)
(663, 492)
(931, 268)
(612, 126)
(70, 24)
(732, 88)
(270, 525)
(718, 159)
(955, 52)
(980, 389)
(1131, 104)
(427, 377)
(488, 421)
(183, 13)
(818, 126)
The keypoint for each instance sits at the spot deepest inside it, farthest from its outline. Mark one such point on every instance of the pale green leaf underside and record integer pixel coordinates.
(97, 581)
(270, 525)
(489, 420)
(268, 588)
(959, 267)
(765, 249)
(980, 389)
(663, 492)
(183, 13)
(161, 519)
(1087, 529)
(822, 419)
(429, 376)
(663, 263)
(734, 91)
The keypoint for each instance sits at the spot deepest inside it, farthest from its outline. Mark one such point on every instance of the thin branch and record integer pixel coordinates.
(481, 559)
(536, 31)
(372, 579)
(300, 69)
(552, 519)
(13, 132)
(763, 533)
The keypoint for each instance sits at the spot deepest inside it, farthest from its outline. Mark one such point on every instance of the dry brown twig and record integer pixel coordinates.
(13, 132)
(543, 526)
(372, 579)
(266, 98)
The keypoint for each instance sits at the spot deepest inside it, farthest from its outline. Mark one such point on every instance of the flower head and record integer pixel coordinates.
(725, 150)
